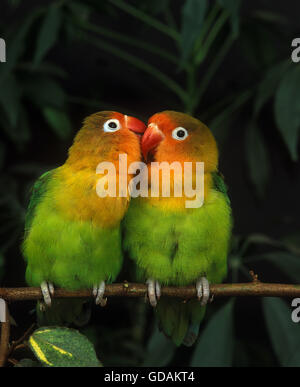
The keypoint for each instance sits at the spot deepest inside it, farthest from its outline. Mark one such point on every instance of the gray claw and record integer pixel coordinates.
(203, 291)
(47, 290)
(98, 292)
(154, 291)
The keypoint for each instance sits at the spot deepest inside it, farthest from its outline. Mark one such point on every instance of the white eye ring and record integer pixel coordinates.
(111, 125)
(180, 133)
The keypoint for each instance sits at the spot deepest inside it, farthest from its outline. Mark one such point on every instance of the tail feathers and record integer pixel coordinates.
(191, 335)
(63, 312)
(180, 321)
(173, 319)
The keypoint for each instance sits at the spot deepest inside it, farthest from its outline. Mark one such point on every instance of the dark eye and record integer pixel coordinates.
(180, 133)
(111, 125)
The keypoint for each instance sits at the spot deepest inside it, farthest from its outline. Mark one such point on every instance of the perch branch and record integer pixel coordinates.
(255, 288)
(4, 341)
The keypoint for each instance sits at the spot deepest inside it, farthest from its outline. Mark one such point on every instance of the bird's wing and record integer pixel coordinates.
(219, 185)
(38, 190)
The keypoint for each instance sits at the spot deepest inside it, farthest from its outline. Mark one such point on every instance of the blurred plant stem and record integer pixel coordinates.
(191, 95)
(140, 64)
(171, 32)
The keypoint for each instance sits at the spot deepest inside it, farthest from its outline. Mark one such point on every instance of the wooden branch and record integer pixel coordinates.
(252, 289)
(4, 341)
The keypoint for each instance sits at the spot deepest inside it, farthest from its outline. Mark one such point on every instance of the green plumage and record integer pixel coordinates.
(176, 247)
(72, 232)
(69, 253)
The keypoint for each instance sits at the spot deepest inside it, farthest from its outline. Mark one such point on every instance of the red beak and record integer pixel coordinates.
(135, 125)
(151, 138)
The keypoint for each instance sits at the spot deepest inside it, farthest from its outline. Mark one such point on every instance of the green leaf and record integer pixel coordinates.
(292, 242)
(146, 18)
(271, 17)
(58, 121)
(233, 7)
(221, 122)
(215, 346)
(158, 6)
(48, 33)
(44, 91)
(259, 239)
(44, 68)
(14, 3)
(62, 347)
(288, 263)
(193, 14)
(160, 350)
(80, 11)
(257, 158)
(284, 333)
(258, 44)
(10, 99)
(17, 45)
(268, 86)
(19, 134)
(138, 63)
(287, 109)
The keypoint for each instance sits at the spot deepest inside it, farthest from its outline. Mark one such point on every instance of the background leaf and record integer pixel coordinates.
(193, 13)
(287, 109)
(160, 350)
(215, 346)
(284, 333)
(257, 158)
(268, 85)
(10, 99)
(233, 7)
(45, 91)
(47, 36)
(58, 121)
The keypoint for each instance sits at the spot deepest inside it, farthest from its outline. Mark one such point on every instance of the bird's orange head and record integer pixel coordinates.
(173, 136)
(105, 135)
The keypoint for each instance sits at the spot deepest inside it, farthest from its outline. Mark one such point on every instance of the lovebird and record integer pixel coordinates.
(170, 243)
(72, 234)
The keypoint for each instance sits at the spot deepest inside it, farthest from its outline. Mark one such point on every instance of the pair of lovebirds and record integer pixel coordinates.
(75, 239)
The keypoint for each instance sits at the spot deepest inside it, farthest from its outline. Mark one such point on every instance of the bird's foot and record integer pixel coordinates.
(48, 291)
(203, 292)
(98, 292)
(154, 291)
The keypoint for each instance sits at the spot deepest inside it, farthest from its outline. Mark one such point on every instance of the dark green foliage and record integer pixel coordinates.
(216, 343)
(257, 158)
(160, 350)
(193, 13)
(284, 333)
(287, 109)
(48, 34)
